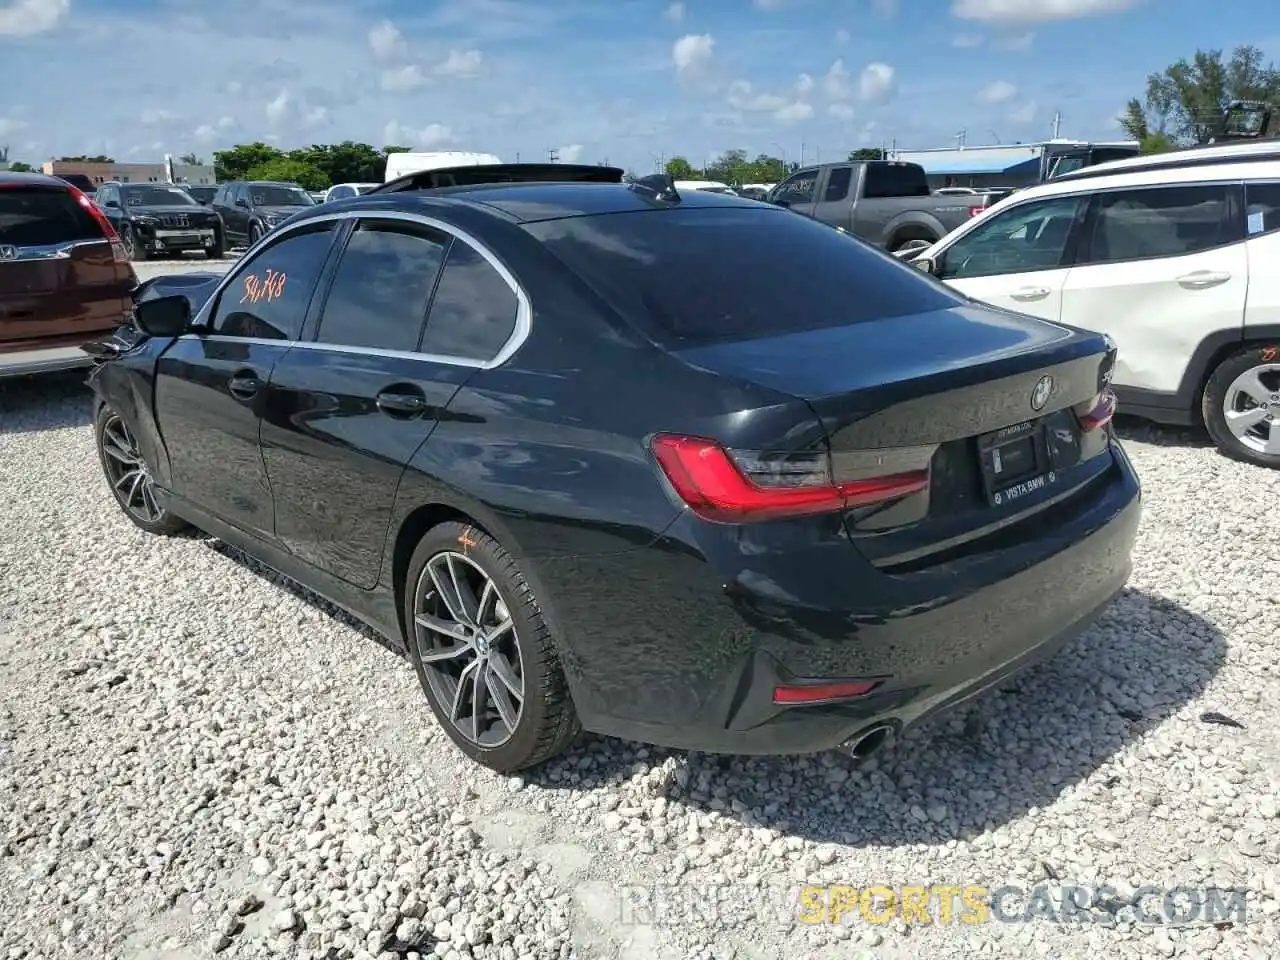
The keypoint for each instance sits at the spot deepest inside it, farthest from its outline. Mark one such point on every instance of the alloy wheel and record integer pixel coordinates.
(128, 473)
(129, 242)
(469, 649)
(1251, 406)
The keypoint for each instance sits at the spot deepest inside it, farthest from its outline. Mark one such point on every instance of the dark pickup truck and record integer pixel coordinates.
(885, 202)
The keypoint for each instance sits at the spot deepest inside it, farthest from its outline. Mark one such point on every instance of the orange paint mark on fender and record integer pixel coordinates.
(1268, 354)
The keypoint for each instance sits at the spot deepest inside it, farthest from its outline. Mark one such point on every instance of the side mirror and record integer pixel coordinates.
(163, 316)
(242, 202)
(111, 204)
(926, 264)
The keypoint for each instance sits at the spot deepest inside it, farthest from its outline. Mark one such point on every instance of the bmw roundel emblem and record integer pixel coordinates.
(1040, 395)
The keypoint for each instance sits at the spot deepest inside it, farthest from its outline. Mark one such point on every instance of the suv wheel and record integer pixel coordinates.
(129, 476)
(134, 248)
(1241, 405)
(483, 651)
(255, 234)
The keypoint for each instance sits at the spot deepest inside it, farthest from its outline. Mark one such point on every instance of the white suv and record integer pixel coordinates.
(1175, 256)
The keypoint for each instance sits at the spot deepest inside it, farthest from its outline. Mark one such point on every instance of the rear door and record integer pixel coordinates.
(348, 409)
(211, 384)
(833, 204)
(1019, 258)
(60, 282)
(1160, 269)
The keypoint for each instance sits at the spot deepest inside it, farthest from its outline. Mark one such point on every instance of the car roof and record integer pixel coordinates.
(43, 179)
(531, 202)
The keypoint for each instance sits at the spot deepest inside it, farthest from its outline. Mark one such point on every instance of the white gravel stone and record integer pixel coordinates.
(239, 754)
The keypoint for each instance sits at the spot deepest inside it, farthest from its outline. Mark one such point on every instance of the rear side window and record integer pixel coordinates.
(895, 180)
(269, 296)
(689, 277)
(381, 287)
(837, 184)
(473, 313)
(39, 216)
(1159, 222)
(1262, 208)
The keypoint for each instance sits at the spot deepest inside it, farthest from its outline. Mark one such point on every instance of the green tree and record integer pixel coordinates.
(866, 153)
(19, 167)
(191, 159)
(1185, 99)
(289, 170)
(766, 169)
(235, 163)
(346, 162)
(83, 159)
(678, 168)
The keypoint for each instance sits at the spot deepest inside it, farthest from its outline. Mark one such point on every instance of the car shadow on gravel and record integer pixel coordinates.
(50, 401)
(1137, 430)
(985, 764)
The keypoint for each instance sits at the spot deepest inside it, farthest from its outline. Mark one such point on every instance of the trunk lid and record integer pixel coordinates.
(989, 401)
(59, 280)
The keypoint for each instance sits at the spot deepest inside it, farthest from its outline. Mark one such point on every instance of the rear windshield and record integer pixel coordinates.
(691, 277)
(38, 216)
(886, 180)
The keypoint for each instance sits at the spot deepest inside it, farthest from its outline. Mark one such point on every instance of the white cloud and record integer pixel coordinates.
(836, 82)
(403, 79)
(692, 52)
(804, 83)
(793, 112)
(1000, 91)
(886, 8)
(570, 153)
(876, 83)
(9, 125)
(315, 116)
(26, 18)
(205, 133)
(460, 63)
(1025, 113)
(783, 108)
(1036, 11)
(841, 111)
(868, 132)
(226, 123)
(278, 108)
(432, 135)
(842, 36)
(385, 40)
(153, 117)
(1017, 41)
(676, 13)
(234, 87)
(966, 40)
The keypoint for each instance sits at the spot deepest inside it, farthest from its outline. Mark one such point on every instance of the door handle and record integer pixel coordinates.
(1203, 279)
(397, 404)
(244, 386)
(1030, 293)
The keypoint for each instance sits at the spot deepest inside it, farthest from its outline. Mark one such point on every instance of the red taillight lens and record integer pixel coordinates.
(713, 483)
(108, 231)
(821, 692)
(1104, 409)
(974, 211)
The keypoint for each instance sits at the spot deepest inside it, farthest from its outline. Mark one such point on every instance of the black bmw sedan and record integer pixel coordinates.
(685, 469)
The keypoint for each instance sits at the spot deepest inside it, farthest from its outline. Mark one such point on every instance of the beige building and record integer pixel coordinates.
(131, 172)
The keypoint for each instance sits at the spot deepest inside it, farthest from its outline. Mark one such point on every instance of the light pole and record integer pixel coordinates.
(783, 151)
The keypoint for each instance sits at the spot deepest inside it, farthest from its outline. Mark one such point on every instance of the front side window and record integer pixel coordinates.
(473, 312)
(799, 189)
(1159, 222)
(268, 297)
(381, 287)
(1030, 236)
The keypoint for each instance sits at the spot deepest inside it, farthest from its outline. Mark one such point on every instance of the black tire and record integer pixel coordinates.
(137, 500)
(547, 723)
(897, 243)
(217, 249)
(255, 234)
(134, 248)
(1220, 394)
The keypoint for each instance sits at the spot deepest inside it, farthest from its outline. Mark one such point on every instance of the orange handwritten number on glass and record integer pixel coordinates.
(1268, 354)
(258, 289)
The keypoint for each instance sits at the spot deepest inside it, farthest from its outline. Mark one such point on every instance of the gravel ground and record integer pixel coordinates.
(197, 758)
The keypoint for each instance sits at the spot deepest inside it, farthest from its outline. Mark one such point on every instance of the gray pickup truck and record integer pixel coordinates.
(885, 202)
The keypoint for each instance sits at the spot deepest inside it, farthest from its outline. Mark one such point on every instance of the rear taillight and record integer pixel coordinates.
(1100, 412)
(108, 231)
(822, 691)
(726, 486)
(974, 211)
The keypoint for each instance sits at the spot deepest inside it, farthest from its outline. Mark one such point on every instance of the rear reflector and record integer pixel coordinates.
(822, 692)
(1104, 409)
(726, 487)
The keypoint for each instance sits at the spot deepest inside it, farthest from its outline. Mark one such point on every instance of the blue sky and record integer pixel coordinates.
(626, 80)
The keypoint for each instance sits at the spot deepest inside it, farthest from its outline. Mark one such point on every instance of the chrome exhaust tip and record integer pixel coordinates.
(867, 742)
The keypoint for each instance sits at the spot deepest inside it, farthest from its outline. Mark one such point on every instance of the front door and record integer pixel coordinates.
(1018, 259)
(211, 383)
(348, 410)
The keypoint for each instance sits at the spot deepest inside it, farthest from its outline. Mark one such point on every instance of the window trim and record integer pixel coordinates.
(1235, 190)
(524, 309)
(1069, 249)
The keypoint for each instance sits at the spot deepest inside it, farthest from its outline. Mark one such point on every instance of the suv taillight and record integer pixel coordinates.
(108, 231)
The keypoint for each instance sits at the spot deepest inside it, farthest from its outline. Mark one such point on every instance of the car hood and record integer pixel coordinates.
(197, 287)
(166, 209)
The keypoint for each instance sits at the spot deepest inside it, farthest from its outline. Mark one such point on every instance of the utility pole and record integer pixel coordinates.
(517, 156)
(802, 153)
(1057, 124)
(553, 155)
(960, 138)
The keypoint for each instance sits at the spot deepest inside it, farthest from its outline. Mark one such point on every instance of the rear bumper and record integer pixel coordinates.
(46, 360)
(695, 667)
